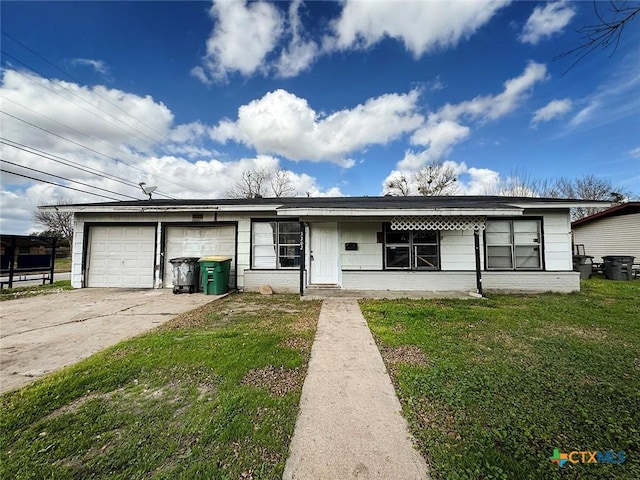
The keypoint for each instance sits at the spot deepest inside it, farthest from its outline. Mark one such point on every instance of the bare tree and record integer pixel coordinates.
(606, 32)
(521, 184)
(588, 187)
(56, 222)
(281, 184)
(431, 180)
(398, 186)
(262, 183)
(435, 179)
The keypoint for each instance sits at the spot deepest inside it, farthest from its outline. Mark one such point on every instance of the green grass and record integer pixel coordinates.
(212, 394)
(62, 265)
(35, 290)
(506, 380)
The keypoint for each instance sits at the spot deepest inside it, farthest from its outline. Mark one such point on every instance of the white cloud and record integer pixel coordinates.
(421, 25)
(615, 99)
(97, 115)
(281, 123)
(177, 161)
(551, 110)
(490, 107)
(634, 152)
(98, 65)
(300, 53)
(444, 128)
(439, 136)
(546, 21)
(243, 36)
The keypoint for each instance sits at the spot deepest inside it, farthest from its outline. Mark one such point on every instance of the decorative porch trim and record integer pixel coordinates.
(476, 223)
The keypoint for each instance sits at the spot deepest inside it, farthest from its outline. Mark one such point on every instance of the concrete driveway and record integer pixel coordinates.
(41, 334)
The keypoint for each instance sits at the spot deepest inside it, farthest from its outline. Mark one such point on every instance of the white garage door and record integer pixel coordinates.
(195, 241)
(121, 256)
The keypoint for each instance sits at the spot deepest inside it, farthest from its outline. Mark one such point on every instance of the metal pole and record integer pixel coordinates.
(53, 259)
(12, 260)
(476, 243)
(302, 258)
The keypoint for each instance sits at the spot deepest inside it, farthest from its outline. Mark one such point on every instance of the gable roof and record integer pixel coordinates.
(622, 209)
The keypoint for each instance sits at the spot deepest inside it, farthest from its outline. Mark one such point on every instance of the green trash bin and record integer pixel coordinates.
(214, 273)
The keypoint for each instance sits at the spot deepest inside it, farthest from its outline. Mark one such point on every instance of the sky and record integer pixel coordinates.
(344, 96)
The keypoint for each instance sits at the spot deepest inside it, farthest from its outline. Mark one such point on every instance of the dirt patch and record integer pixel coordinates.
(300, 344)
(278, 380)
(583, 333)
(78, 403)
(438, 417)
(404, 354)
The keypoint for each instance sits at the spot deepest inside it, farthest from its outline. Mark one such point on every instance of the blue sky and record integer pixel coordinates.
(343, 96)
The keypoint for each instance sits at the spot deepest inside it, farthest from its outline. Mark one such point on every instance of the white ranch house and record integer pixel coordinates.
(430, 244)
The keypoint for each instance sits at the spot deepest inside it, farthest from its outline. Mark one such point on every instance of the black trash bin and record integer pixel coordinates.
(186, 274)
(618, 267)
(583, 264)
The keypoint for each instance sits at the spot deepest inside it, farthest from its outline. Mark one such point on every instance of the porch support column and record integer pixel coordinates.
(303, 256)
(476, 243)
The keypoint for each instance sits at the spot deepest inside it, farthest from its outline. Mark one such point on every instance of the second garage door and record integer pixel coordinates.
(121, 256)
(202, 241)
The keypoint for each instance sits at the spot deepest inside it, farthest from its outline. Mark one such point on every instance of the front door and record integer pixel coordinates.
(324, 253)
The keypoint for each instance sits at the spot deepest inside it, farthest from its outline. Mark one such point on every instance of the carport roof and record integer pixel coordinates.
(485, 203)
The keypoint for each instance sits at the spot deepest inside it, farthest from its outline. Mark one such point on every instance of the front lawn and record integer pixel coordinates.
(212, 394)
(34, 290)
(492, 386)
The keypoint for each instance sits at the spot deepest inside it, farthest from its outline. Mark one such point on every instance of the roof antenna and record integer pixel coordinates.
(147, 190)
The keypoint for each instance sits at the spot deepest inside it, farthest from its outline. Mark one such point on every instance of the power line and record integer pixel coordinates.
(80, 82)
(56, 184)
(72, 164)
(68, 179)
(89, 148)
(81, 98)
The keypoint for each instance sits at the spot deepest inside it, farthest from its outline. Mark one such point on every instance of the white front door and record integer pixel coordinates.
(324, 253)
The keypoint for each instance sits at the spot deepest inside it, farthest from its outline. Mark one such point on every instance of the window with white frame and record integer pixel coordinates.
(412, 249)
(513, 244)
(275, 244)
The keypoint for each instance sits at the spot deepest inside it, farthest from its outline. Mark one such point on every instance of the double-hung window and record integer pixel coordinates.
(412, 249)
(513, 245)
(275, 244)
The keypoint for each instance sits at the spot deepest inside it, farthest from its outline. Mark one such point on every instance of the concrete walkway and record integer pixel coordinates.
(350, 425)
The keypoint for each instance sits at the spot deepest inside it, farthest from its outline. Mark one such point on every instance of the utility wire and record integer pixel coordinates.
(72, 164)
(57, 82)
(68, 179)
(80, 82)
(89, 148)
(56, 184)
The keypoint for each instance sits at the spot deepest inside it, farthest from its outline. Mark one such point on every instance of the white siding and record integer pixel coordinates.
(531, 282)
(410, 281)
(457, 251)
(557, 241)
(369, 253)
(280, 281)
(610, 236)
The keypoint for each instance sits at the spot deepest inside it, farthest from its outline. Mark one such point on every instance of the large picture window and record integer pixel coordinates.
(412, 249)
(276, 244)
(513, 245)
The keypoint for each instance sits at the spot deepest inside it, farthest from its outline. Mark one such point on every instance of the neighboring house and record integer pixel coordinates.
(355, 243)
(615, 231)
